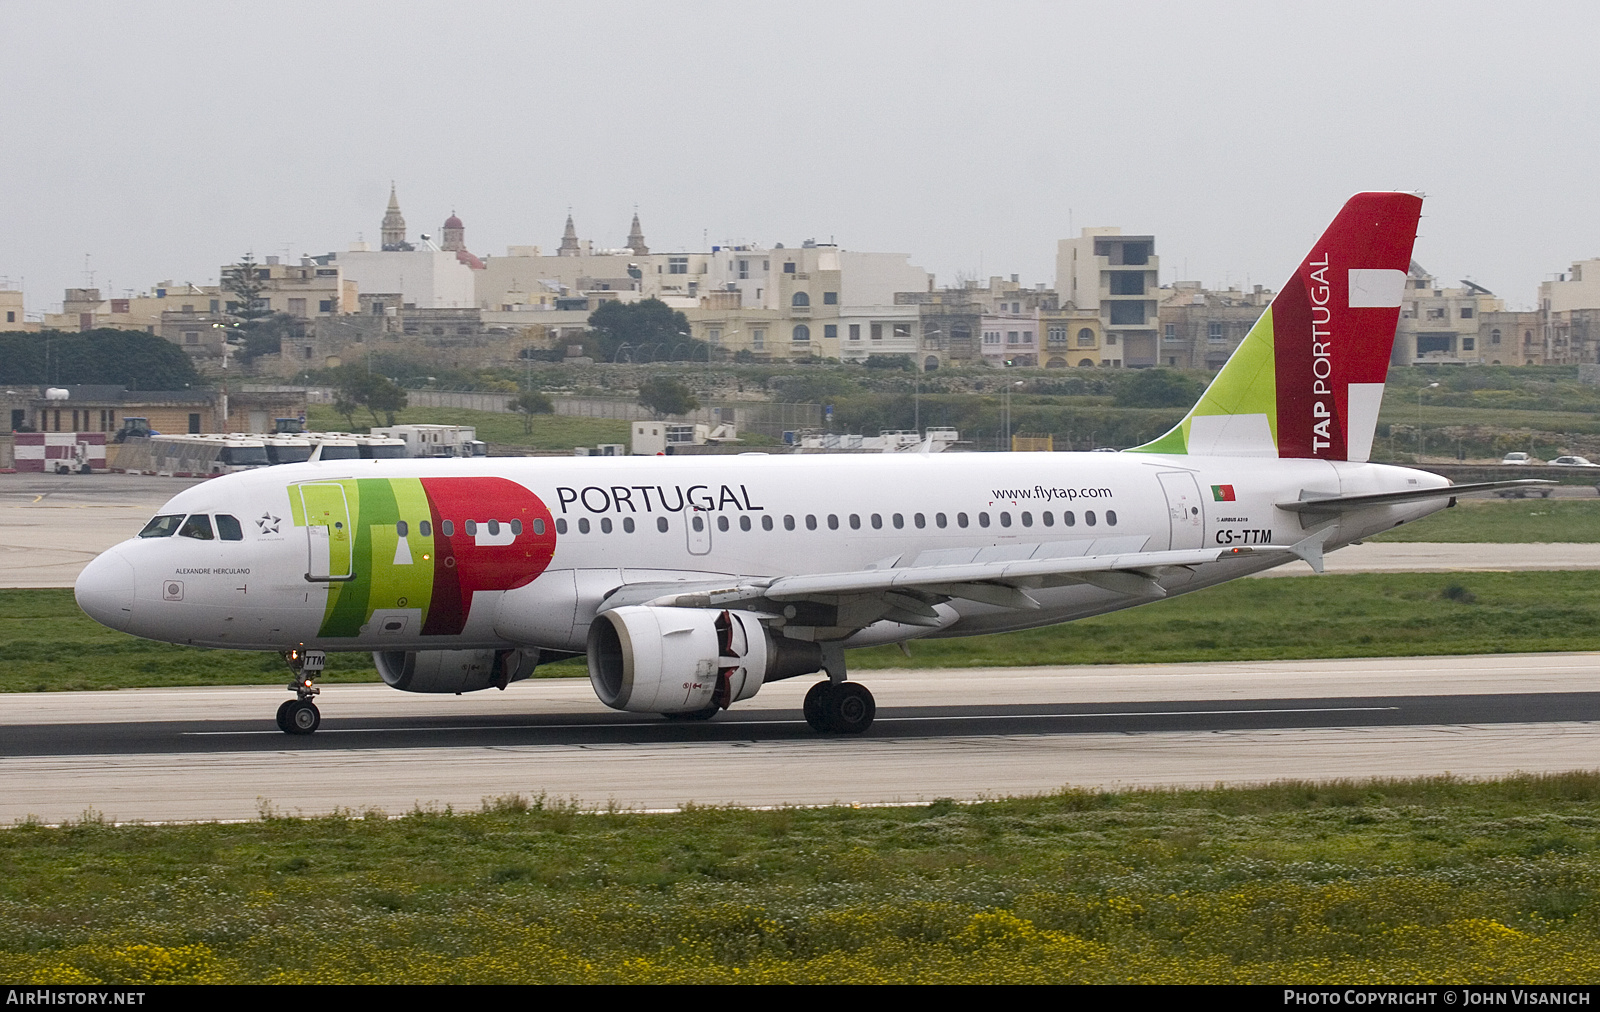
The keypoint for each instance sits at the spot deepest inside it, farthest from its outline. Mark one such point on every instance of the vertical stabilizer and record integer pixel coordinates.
(1308, 379)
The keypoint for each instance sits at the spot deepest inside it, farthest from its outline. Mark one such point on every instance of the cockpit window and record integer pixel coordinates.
(197, 526)
(228, 528)
(164, 526)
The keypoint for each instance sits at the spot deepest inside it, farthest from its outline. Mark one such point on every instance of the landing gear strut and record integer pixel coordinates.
(300, 715)
(840, 707)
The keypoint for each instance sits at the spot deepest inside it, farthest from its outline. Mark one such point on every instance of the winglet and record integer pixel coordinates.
(1310, 549)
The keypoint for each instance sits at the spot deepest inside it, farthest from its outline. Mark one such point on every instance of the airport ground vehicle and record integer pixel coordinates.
(689, 582)
(1516, 457)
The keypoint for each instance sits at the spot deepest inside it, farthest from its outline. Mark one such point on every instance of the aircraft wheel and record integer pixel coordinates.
(283, 714)
(816, 706)
(705, 714)
(301, 717)
(850, 708)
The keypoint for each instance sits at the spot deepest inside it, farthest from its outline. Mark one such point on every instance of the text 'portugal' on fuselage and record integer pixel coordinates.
(691, 581)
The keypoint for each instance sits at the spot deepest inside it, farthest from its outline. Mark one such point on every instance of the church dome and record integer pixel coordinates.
(453, 222)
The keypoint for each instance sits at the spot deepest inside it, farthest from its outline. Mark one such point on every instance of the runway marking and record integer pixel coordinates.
(880, 720)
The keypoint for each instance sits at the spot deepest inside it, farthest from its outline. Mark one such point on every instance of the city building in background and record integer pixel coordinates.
(1118, 275)
(1200, 328)
(813, 301)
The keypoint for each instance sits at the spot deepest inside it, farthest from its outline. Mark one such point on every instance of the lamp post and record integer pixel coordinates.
(1009, 388)
(1430, 386)
(916, 396)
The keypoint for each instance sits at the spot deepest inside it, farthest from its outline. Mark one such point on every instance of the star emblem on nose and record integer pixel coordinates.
(268, 523)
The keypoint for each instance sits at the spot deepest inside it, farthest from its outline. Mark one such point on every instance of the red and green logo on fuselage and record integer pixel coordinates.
(409, 553)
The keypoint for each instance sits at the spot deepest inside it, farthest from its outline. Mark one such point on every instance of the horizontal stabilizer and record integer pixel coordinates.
(1346, 503)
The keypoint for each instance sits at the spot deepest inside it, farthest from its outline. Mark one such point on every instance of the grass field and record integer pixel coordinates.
(550, 432)
(50, 645)
(1507, 521)
(1427, 881)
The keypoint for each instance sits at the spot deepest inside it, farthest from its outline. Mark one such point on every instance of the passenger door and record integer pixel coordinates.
(1183, 509)
(330, 544)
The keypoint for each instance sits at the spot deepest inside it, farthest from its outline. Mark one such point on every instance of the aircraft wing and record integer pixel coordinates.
(906, 593)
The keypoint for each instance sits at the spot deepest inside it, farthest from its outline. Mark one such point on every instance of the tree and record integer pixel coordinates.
(530, 403)
(1158, 388)
(667, 396)
(644, 331)
(265, 336)
(244, 282)
(127, 358)
(384, 394)
(355, 389)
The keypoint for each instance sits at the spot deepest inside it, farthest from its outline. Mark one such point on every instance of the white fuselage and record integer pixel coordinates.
(613, 522)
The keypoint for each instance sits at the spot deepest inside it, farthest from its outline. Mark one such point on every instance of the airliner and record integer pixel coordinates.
(691, 582)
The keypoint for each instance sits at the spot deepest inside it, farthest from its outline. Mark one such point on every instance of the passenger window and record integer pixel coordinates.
(494, 527)
(1027, 519)
(471, 527)
(1088, 517)
(228, 528)
(516, 528)
(788, 522)
(766, 523)
(198, 527)
(162, 526)
(538, 527)
(1005, 519)
(1111, 518)
(698, 522)
(1048, 518)
(855, 521)
(983, 519)
(1068, 519)
(561, 525)
(583, 525)
(921, 521)
(627, 525)
(833, 522)
(661, 524)
(877, 522)
(811, 522)
(939, 519)
(961, 520)
(449, 528)
(425, 529)
(605, 525)
(400, 527)
(744, 523)
(899, 521)
(722, 524)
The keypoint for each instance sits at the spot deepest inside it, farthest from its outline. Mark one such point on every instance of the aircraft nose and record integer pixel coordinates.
(105, 590)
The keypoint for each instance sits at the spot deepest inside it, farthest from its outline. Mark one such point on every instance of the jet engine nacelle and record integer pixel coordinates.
(680, 660)
(455, 671)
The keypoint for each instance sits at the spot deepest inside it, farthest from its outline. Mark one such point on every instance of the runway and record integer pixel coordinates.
(213, 753)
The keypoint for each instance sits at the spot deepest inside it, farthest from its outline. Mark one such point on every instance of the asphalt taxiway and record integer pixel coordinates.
(164, 754)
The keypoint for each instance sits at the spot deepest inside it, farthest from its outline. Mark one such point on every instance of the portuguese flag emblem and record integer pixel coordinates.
(1222, 493)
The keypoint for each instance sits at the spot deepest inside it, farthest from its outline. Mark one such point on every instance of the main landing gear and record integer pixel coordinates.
(300, 715)
(840, 707)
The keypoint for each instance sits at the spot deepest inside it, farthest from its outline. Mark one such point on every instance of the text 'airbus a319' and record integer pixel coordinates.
(690, 582)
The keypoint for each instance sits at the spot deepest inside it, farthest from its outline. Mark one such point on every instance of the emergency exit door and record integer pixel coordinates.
(697, 526)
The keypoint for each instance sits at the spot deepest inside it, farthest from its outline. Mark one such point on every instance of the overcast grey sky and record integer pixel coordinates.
(164, 139)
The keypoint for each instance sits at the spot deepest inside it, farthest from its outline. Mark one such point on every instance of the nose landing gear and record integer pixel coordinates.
(300, 715)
